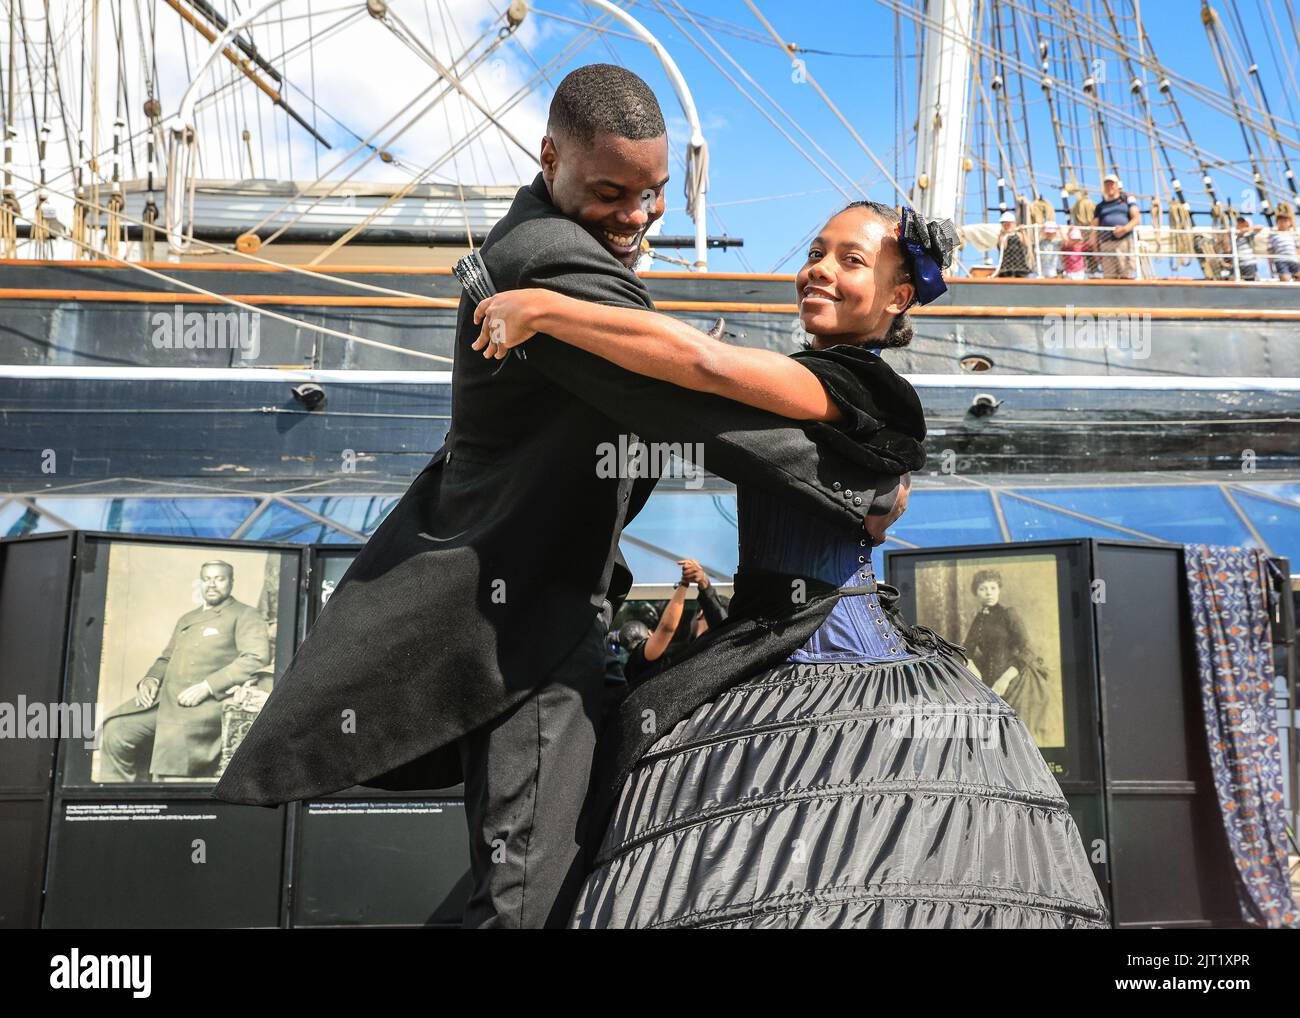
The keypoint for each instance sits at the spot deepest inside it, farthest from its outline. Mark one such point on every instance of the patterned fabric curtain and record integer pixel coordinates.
(1234, 653)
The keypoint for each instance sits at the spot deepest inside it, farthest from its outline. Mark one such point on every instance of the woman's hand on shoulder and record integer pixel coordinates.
(509, 319)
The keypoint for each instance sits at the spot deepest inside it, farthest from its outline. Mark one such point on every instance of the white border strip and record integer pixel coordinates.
(987, 381)
(224, 374)
(360, 377)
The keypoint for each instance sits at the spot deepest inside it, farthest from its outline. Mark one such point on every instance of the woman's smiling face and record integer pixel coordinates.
(846, 288)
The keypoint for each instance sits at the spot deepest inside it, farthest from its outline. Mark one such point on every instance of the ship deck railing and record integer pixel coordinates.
(1216, 250)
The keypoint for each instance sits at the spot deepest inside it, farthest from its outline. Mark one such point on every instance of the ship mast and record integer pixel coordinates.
(939, 190)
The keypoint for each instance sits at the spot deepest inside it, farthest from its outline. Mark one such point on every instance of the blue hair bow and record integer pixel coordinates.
(927, 246)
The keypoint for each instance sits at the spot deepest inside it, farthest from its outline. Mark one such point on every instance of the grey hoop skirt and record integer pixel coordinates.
(891, 794)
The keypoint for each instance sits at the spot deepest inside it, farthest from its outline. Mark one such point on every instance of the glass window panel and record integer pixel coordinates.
(278, 522)
(647, 567)
(16, 519)
(362, 513)
(1183, 514)
(1288, 491)
(1029, 522)
(82, 513)
(185, 517)
(1277, 524)
(938, 518)
(686, 525)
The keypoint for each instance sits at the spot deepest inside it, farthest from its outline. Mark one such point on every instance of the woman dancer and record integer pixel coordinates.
(814, 761)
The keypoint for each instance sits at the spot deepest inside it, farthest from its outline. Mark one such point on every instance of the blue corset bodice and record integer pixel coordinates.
(776, 538)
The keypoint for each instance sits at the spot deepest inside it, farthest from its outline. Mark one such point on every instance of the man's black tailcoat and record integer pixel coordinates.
(493, 565)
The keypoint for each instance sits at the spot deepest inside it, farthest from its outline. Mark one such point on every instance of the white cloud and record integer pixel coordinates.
(362, 75)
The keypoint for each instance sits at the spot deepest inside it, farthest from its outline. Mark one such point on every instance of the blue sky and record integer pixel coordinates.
(763, 190)
(358, 75)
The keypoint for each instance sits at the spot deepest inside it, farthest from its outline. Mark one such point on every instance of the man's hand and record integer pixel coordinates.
(195, 695)
(508, 319)
(877, 525)
(693, 572)
(146, 691)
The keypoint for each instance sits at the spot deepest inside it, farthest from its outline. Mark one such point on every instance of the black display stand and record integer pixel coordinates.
(366, 857)
(35, 595)
(159, 853)
(1141, 790)
(84, 852)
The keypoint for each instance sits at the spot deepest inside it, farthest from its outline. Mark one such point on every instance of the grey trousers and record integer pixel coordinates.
(128, 746)
(526, 775)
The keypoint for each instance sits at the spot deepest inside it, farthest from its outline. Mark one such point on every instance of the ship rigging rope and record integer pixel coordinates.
(336, 184)
(1140, 95)
(582, 24)
(848, 195)
(1207, 95)
(571, 49)
(310, 42)
(1211, 98)
(802, 242)
(1245, 82)
(1067, 174)
(1171, 101)
(1008, 167)
(296, 269)
(1221, 48)
(1102, 147)
(236, 80)
(990, 124)
(1252, 75)
(289, 319)
(363, 143)
(1273, 51)
(808, 76)
(455, 164)
(1263, 5)
(983, 50)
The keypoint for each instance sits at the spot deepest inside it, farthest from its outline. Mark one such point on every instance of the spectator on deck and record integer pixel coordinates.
(1073, 264)
(1247, 265)
(1117, 216)
(1049, 251)
(1281, 247)
(1014, 260)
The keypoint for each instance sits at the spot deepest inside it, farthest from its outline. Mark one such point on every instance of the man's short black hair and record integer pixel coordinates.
(604, 98)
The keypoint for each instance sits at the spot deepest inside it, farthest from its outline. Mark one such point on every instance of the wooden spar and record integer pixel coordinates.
(249, 50)
(228, 53)
(246, 68)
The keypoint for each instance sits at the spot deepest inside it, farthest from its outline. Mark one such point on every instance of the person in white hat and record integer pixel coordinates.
(1116, 217)
(1049, 250)
(1014, 260)
(1072, 257)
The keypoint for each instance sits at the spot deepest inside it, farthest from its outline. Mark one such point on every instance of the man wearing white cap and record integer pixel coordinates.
(1117, 216)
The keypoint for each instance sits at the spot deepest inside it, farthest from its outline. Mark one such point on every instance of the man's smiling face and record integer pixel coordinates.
(612, 187)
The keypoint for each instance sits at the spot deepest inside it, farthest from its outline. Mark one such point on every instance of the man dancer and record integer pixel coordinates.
(466, 641)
